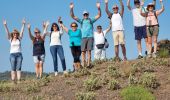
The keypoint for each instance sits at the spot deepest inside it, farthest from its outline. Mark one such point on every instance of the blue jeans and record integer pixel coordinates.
(58, 49)
(16, 61)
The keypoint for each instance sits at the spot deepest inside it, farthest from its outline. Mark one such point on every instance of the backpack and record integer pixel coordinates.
(89, 20)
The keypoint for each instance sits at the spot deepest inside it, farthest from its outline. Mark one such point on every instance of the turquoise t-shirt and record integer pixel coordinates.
(87, 27)
(75, 37)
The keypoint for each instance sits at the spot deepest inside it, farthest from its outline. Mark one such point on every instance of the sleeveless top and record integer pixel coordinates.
(117, 22)
(15, 46)
(38, 47)
(151, 19)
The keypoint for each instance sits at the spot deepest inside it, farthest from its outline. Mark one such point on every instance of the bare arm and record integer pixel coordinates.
(6, 29)
(45, 27)
(22, 28)
(122, 8)
(162, 8)
(128, 5)
(29, 31)
(109, 28)
(99, 11)
(154, 2)
(107, 10)
(64, 28)
(142, 13)
(72, 12)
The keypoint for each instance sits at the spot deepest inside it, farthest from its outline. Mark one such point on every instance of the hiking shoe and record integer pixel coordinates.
(140, 57)
(65, 73)
(56, 73)
(149, 56)
(117, 59)
(154, 55)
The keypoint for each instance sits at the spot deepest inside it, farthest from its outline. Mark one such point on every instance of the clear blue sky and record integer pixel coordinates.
(37, 11)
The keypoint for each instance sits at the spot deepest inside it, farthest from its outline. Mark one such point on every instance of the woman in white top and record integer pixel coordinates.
(56, 46)
(99, 39)
(15, 51)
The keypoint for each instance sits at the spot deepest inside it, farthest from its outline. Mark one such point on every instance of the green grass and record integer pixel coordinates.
(136, 93)
(85, 96)
(163, 53)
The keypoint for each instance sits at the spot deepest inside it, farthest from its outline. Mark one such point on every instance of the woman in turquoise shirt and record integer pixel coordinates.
(75, 43)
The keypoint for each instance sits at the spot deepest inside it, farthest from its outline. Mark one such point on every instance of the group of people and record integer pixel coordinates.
(83, 40)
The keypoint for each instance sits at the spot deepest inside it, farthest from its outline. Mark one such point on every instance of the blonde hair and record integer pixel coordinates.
(15, 31)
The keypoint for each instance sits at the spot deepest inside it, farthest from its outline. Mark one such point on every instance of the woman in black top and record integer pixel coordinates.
(38, 50)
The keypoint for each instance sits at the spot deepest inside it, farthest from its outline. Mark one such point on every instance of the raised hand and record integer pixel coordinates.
(106, 1)
(4, 22)
(142, 3)
(29, 25)
(161, 0)
(23, 21)
(98, 5)
(47, 24)
(71, 5)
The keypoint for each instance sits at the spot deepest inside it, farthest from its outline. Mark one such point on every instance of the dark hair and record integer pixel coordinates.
(150, 6)
(136, 2)
(56, 26)
(99, 26)
(74, 23)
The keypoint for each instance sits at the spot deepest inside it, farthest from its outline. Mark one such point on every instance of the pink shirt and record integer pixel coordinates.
(151, 19)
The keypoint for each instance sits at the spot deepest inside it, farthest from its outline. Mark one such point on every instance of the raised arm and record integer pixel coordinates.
(22, 28)
(45, 27)
(162, 8)
(72, 12)
(109, 28)
(154, 2)
(29, 31)
(64, 28)
(128, 5)
(6, 29)
(122, 8)
(141, 12)
(107, 10)
(99, 11)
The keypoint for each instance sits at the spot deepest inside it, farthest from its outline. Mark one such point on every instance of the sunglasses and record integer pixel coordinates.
(86, 14)
(74, 26)
(36, 32)
(115, 8)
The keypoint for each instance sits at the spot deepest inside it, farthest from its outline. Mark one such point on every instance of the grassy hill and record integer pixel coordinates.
(148, 79)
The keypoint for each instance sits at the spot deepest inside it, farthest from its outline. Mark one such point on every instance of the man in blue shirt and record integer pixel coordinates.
(87, 32)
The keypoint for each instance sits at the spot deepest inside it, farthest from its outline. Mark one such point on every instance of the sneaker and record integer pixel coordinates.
(154, 55)
(140, 57)
(65, 73)
(56, 73)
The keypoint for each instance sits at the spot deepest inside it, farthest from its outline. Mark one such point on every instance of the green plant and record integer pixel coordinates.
(37, 98)
(136, 93)
(132, 80)
(85, 96)
(70, 83)
(81, 72)
(92, 83)
(113, 85)
(163, 53)
(113, 72)
(149, 80)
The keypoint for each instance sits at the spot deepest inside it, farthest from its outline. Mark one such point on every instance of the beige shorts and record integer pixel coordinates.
(152, 31)
(118, 37)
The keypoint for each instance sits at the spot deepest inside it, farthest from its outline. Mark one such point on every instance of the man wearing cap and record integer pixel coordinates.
(139, 23)
(117, 28)
(87, 32)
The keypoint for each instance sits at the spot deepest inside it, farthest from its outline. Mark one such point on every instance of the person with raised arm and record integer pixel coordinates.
(117, 28)
(100, 42)
(38, 50)
(75, 43)
(15, 51)
(87, 33)
(56, 47)
(152, 26)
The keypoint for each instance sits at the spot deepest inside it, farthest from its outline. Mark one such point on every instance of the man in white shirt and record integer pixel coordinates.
(99, 39)
(117, 28)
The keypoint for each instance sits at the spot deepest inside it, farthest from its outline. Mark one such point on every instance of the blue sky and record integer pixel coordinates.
(37, 11)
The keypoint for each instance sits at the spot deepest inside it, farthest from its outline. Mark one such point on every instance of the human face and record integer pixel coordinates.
(55, 28)
(137, 5)
(99, 29)
(37, 34)
(86, 15)
(74, 27)
(150, 8)
(15, 35)
(115, 10)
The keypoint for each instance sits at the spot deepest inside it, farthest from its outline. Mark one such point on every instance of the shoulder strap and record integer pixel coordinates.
(89, 20)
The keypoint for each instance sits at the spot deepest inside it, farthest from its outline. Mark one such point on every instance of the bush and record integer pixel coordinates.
(149, 80)
(132, 80)
(81, 72)
(136, 93)
(91, 84)
(113, 72)
(163, 53)
(113, 85)
(85, 96)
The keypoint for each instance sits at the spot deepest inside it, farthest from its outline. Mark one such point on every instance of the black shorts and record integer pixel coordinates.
(76, 52)
(140, 32)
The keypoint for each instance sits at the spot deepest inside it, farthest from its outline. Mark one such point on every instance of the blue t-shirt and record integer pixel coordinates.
(87, 27)
(75, 37)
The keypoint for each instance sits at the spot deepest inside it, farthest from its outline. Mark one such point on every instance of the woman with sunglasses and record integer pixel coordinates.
(15, 51)
(152, 26)
(38, 50)
(117, 28)
(75, 43)
(56, 46)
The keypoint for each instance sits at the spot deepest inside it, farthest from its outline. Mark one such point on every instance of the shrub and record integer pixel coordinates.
(113, 85)
(85, 96)
(163, 53)
(92, 83)
(113, 72)
(81, 72)
(132, 80)
(136, 93)
(149, 80)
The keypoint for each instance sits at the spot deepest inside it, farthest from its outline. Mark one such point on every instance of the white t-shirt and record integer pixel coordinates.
(99, 38)
(138, 20)
(117, 22)
(55, 38)
(15, 46)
